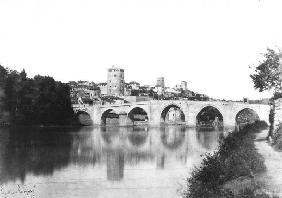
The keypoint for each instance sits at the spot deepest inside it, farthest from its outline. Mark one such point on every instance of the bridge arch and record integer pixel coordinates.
(138, 114)
(172, 113)
(209, 116)
(84, 118)
(109, 116)
(246, 115)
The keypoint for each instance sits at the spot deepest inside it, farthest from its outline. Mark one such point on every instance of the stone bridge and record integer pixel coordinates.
(156, 109)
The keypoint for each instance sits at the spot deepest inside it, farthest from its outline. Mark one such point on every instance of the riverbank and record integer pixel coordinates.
(271, 150)
(270, 179)
(232, 170)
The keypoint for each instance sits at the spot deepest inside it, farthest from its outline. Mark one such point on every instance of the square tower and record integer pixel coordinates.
(160, 82)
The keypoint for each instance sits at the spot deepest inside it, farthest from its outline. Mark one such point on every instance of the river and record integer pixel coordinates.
(100, 162)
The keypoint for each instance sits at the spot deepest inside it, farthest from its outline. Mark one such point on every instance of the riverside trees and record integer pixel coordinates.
(268, 76)
(40, 100)
(268, 73)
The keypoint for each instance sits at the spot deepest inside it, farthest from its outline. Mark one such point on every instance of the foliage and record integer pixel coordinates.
(268, 76)
(235, 158)
(271, 121)
(277, 95)
(267, 73)
(277, 137)
(39, 100)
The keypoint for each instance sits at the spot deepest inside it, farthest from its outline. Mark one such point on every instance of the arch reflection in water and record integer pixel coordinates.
(160, 160)
(138, 136)
(138, 139)
(125, 137)
(110, 134)
(209, 139)
(173, 137)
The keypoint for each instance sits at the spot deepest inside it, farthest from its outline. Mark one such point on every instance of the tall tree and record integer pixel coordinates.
(267, 74)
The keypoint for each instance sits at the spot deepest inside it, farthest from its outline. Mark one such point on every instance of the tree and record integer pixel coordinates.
(23, 75)
(38, 100)
(267, 74)
(135, 92)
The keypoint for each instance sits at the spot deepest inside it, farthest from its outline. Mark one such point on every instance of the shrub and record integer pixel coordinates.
(277, 137)
(236, 157)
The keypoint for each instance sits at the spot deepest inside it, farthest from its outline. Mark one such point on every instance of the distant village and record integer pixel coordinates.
(117, 91)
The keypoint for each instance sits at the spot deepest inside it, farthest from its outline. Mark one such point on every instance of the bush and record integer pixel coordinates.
(277, 137)
(236, 157)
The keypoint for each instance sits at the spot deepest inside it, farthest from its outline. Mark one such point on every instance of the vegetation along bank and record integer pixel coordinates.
(33, 101)
(231, 170)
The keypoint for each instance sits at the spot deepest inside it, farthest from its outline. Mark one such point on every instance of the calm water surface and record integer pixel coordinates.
(100, 162)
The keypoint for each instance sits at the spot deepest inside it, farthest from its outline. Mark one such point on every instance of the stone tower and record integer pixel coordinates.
(160, 82)
(115, 82)
(184, 85)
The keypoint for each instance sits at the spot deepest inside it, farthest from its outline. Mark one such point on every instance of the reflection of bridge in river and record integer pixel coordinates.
(127, 145)
(109, 153)
(157, 111)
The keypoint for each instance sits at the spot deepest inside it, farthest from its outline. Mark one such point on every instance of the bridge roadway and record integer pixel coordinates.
(155, 109)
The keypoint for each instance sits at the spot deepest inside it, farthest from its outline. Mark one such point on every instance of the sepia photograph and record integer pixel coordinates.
(140, 99)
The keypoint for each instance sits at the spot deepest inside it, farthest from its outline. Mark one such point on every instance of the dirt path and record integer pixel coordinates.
(272, 178)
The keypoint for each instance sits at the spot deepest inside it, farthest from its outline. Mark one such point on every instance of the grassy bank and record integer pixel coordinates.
(230, 171)
(277, 138)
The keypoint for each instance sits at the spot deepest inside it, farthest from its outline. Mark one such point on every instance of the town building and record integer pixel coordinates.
(116, 91)
(85, 91)
(127, 89)
(103, 88)
(115, 81)
(159, 90)
(160, 82)
(134, 85)
(184, 85)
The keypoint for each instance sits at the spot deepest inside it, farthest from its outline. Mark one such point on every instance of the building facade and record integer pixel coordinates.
(160, 82)
(115, 82)
(184, 85)
(103, 88)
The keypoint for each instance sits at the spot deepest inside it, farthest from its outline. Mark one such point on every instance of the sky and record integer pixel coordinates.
(208, 43)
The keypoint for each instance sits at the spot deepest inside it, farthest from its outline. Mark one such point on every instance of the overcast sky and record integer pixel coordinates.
(209, 44)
